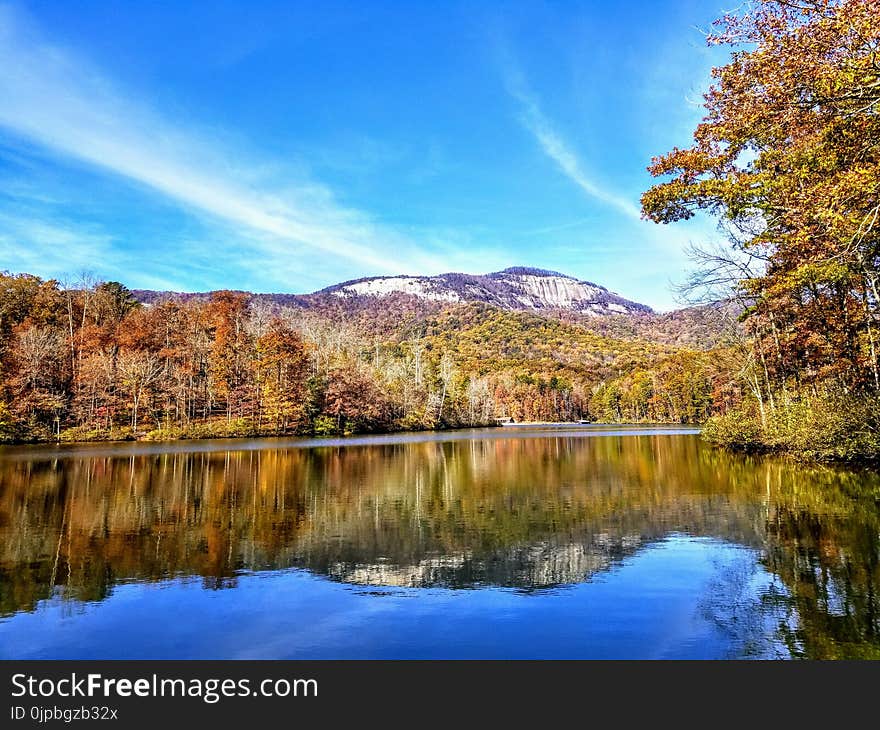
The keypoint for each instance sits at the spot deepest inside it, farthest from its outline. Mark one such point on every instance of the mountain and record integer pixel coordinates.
(386, 306)
(516, 288)
(374, 354)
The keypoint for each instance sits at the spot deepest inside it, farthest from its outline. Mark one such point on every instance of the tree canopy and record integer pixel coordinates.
(788, 158)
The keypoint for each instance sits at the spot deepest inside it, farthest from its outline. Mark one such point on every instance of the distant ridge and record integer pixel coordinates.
(515, 288)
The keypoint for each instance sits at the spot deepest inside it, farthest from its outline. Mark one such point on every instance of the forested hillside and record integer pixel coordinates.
(97, 362)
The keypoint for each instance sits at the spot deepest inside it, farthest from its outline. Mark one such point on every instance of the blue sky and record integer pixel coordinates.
(285, 146)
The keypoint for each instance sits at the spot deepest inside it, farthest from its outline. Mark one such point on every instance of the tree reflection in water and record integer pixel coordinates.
(526, 513)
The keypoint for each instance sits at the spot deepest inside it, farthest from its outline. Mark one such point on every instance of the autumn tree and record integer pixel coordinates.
(139, 372)
(281, 373)
(230, 350)
(354, 400)
(788, 158)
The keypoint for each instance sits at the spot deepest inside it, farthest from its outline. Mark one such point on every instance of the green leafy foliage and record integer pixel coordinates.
(836, 427)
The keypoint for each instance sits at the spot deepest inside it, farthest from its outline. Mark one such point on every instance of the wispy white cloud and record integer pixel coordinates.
(61, 102)
(671, 240)
(557, 149)
(27, 244)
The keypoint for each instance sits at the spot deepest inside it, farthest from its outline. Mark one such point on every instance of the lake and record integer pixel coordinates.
(567, 542)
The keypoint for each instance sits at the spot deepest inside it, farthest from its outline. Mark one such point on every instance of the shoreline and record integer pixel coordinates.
(317, 440)
(314, 441)
(155, 435)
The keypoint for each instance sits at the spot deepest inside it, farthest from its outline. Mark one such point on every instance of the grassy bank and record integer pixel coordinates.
(842, 428)
(214, 429)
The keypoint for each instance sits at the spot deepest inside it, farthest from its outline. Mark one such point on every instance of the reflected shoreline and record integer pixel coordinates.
(468, 510)
(136, 448)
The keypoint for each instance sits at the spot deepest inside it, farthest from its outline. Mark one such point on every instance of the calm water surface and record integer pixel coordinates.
(583, 542)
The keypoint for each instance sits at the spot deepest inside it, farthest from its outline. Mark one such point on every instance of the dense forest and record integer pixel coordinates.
(788, 159)
(783, 352)
(90, 362)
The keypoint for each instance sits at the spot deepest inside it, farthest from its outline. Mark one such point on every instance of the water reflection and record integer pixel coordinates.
(531, 514)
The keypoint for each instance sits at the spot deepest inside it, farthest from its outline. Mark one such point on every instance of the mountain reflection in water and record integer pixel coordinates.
(784, 557)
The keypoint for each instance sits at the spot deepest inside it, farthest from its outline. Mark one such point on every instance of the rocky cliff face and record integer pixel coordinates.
(514, 288)
(517, 288)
